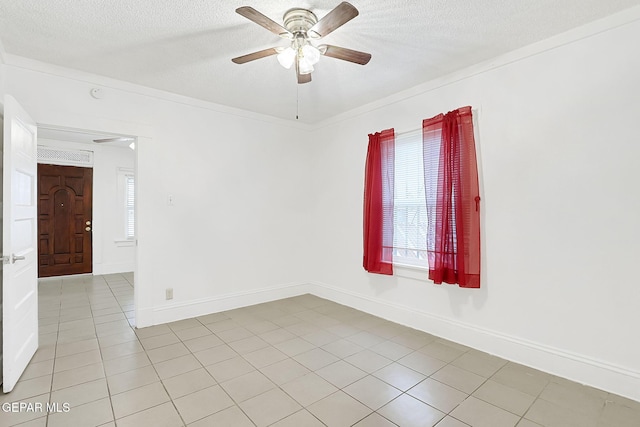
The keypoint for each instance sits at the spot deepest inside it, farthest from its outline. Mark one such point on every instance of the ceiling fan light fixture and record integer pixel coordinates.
(286, 57)
(304, 66)
(311, 53)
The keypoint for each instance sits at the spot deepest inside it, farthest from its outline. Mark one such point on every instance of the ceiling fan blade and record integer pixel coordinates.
(115, 139)
(260, 19)
(302, 78)
(345, 54)
(339, 16)
(255, 55)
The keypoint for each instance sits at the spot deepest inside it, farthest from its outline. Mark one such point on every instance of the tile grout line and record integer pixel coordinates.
(144, 350)
(55, 349)
(104, 370)
(218, 384)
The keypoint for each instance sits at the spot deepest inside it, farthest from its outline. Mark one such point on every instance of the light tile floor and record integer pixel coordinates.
(302, 361)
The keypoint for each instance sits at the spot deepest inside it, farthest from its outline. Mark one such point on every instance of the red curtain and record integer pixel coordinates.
(378, 203)
(455, 253)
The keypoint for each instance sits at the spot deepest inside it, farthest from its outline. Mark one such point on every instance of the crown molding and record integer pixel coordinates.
(133, 88)
(574, 35)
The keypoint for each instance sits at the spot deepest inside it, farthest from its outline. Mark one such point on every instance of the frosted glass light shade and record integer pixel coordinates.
(286, 57)
(311, 53)
(304, 66)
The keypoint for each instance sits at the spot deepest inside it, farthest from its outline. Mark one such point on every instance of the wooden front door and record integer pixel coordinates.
(64, 220)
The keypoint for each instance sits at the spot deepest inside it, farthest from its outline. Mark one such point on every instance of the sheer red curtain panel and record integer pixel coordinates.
(449, 146)
(378, 203)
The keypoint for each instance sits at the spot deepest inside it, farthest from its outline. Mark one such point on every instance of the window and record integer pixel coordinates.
(126, 201)
(421, 200)
(129, 207)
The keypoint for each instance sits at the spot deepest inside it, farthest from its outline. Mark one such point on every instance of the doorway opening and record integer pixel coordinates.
(96, 235)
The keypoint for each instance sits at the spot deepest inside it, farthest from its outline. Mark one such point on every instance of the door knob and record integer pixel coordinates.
(15, 258)
(87, 228)
(88, 222)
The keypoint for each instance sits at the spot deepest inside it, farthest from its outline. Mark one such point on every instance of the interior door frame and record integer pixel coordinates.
(138, 131)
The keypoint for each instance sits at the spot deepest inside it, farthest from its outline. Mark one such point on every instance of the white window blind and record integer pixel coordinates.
(129, 207)
(409, 206)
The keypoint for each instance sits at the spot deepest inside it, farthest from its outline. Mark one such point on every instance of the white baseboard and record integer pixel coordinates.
(125, 267)
(144, 317)
(575, 367)
(201, 307)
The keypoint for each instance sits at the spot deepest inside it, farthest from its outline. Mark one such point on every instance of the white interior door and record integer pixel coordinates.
(19, 242)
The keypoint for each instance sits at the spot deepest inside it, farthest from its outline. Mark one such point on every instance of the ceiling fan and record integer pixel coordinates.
(301, 26)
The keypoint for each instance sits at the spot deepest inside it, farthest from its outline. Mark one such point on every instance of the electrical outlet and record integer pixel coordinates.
(169, 293)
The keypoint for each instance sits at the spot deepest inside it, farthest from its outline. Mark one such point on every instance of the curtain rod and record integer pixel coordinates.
(408, 133)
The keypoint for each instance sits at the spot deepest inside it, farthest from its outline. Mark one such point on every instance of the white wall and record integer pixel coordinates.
(2, 69)
(110, 253)
(2, 73)
(237, 232)
(557, 139)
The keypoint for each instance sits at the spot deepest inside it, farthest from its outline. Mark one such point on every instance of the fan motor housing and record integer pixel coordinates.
(299, 20)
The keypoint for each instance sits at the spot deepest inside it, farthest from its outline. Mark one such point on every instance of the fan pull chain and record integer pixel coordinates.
(297, 100)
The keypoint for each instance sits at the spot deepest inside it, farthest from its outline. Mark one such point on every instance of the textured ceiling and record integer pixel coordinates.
(186, 46)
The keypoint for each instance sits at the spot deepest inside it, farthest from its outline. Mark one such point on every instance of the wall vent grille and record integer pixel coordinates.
(59, 156)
